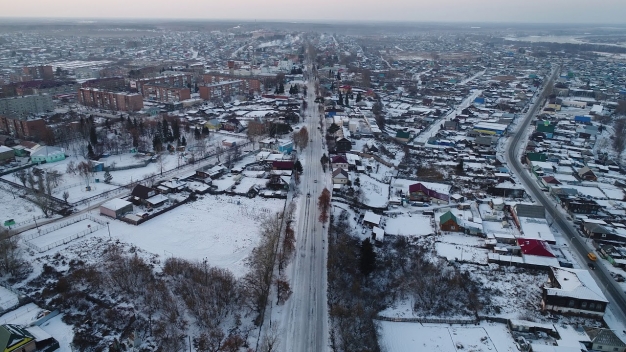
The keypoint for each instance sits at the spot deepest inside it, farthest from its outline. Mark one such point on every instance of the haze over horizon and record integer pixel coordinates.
(529, 11)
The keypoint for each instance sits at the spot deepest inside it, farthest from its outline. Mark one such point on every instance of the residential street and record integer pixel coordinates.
(610, 288)
(307, 312)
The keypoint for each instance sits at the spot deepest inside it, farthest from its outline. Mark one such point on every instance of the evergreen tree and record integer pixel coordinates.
(197, 132)
(93, 136)
(183, 141)
(340, 98)
(368, 257)
(338, 76)
(90, 153)
(205, 131)
(107, 177)
(347, 101)
(281, 88)
(298, 166)
(358, 97)
(167, 134)
(175, 129)
(157, 143)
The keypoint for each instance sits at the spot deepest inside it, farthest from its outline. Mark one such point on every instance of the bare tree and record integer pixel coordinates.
(256, 130)
(271, 339)
(323, 204)
(11, 262)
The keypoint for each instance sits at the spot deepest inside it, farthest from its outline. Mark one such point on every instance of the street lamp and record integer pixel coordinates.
(109, 229)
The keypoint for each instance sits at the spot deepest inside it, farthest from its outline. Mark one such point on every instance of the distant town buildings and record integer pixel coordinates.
(26, 105)
(37, 72)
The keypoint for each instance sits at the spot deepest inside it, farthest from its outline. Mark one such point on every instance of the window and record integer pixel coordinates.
(603, 235)
(592, 305)
(571, 303)
(583, 305)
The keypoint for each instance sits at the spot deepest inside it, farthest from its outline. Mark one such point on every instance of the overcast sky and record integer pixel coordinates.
(544, 11)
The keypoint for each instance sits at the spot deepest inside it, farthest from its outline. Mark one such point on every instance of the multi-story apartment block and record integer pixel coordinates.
(111, 83)
(165, 93)
(39, 72)
(96, 98)
(250, 84)
(22, 127)
(26, 105)
(178, 81)
(221, 90)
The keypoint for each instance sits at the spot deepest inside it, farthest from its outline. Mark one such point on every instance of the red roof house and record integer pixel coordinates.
(535, 247)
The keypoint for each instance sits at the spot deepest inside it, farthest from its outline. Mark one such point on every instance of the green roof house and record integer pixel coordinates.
(402, 136)
(448, 222)
(15, 338)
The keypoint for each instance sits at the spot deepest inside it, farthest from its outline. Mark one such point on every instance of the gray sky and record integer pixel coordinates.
(544, 11)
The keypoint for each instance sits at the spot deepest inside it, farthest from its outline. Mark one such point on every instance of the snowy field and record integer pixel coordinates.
(17, 209)
(376, 193)
(404, 225)
(415, 337)
(221, 229)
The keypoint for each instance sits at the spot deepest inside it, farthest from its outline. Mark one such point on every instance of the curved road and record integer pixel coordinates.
(612, 291)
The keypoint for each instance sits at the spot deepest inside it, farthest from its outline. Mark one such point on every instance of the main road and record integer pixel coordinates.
(307, 311)
(610, 288)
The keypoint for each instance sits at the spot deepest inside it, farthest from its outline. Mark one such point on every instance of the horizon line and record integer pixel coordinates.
(306, 21)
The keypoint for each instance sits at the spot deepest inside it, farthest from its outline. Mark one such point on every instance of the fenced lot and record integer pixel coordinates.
(47, 237)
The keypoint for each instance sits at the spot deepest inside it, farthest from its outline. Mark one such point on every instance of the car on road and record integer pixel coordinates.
(591, 266)
(592, 256)
(308, 195)
(314, 181)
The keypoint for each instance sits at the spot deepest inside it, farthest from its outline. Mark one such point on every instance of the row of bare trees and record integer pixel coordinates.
(40, 185)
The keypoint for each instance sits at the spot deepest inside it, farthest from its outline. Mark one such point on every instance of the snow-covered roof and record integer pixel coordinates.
(4, 149)
(115, 204)
(576, 283)
(371, 218)
(47, 151)
(159, 198)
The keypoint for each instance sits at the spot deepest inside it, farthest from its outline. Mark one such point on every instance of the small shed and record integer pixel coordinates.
(378, 234)
(156, 201)
(116, 208)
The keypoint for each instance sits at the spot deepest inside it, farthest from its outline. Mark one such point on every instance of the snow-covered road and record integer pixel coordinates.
(306, 320)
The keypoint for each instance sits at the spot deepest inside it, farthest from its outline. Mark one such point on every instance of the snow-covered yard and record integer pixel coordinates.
(8, 299)
(460, 247)
(17, 209)
(404, 225)
(61, 332)
(376, 193)
(414, 337)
